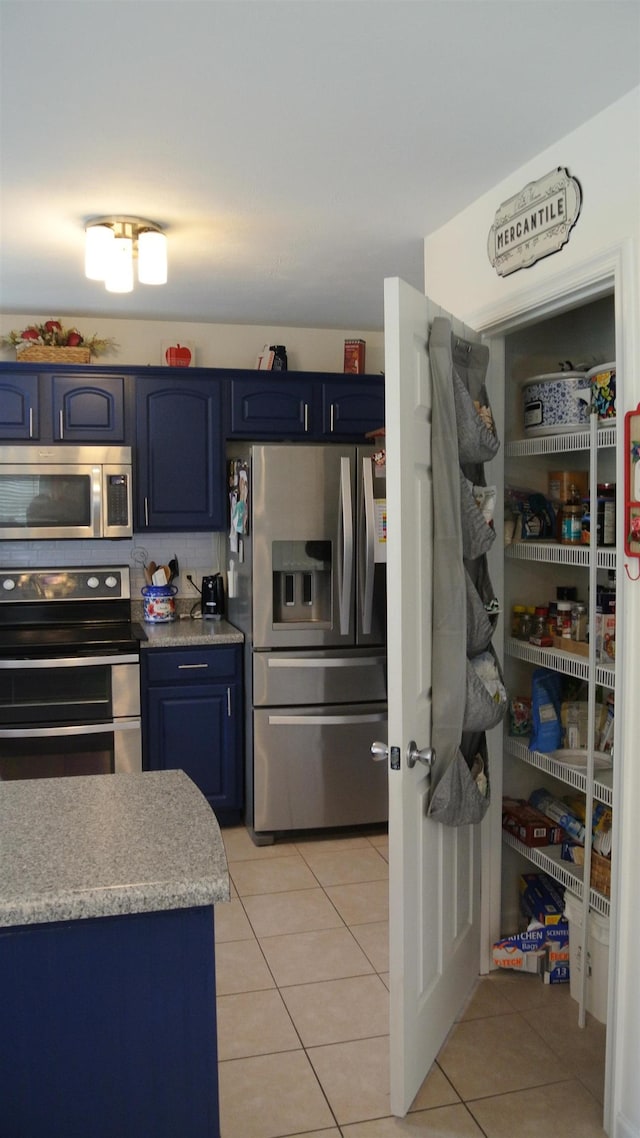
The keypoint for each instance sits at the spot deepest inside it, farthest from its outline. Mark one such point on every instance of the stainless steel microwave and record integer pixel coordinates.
(54, 492)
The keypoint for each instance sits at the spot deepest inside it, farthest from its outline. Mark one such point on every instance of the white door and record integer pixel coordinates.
(433, 870)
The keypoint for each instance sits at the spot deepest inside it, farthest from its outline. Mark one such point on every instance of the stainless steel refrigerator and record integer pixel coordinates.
(308, 589)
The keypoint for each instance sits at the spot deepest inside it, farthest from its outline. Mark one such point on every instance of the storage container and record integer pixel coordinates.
(597, 956)
(557, 403)
(603, 391)
(158, 603)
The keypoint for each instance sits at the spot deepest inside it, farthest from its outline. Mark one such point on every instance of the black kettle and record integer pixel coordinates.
(213, 597)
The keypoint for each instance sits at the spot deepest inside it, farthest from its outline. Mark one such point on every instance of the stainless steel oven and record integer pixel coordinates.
(69, 674)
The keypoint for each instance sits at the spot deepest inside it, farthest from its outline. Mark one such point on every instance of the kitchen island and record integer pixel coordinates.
(107, 973)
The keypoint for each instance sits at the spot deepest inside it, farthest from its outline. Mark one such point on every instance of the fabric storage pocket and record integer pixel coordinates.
(480, 623)
(458, 799)
(477, 439)
(477, 535)
(486, 698)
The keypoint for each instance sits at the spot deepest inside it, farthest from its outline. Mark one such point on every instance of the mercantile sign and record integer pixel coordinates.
(535, 222)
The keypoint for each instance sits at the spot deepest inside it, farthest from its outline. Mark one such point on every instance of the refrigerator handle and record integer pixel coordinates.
(367, 560)
(345, 546)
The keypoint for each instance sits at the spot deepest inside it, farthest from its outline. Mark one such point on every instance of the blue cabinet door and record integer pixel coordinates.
(271, 407)
(192, 719)
(179, 455)
(88, 410)
(349, 410)
(19, 407)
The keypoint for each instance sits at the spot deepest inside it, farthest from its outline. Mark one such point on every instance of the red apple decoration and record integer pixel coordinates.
(178, 356)
(30, 334)
(53, 326)
(73, 339)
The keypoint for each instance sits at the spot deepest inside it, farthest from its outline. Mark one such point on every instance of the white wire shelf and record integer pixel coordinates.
(566, 873)
(556, 444)
(553, 553)
(566, 662)
(575, 777)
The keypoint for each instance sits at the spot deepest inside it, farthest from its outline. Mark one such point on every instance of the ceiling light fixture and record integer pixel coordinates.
(113, 243)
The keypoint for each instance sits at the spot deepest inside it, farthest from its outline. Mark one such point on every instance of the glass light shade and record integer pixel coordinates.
(98, 250)
(152, 257)
(120, 275)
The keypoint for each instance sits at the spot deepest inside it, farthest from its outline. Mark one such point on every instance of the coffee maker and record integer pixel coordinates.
(212, 598)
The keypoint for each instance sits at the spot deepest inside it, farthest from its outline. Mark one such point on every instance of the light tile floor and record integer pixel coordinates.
(302, 961)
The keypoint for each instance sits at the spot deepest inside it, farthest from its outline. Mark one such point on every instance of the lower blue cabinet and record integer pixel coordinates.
(192, 720)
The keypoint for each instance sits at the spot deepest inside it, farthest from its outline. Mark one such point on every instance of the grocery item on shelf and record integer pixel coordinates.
(561, 813)
(542, 898)
(528, 825)
(546, 727)
(603, 391)
(519, 715)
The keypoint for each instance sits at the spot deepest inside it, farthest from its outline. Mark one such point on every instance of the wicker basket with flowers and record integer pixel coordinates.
(51, 343)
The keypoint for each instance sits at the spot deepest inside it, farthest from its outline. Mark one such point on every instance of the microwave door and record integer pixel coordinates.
(49, 501)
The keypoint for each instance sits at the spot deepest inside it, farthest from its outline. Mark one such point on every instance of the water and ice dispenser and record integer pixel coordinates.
(301, 582)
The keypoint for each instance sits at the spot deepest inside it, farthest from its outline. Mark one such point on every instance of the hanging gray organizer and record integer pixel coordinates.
(468, 690)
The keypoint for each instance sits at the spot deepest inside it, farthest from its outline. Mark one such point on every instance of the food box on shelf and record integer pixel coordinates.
(566, 644)
(528, 825)
(540, 950)
(541, 898)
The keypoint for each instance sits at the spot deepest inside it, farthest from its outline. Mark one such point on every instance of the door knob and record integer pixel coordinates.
(380, 752)
(427, 755)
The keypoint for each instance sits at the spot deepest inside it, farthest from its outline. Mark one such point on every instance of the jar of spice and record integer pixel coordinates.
(579, 621)
(572, 512)
(563, 619)
(517, 614)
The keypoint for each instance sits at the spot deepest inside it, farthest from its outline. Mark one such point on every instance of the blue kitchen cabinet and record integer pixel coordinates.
(88, 409)
(304, 405)
(351, 409)
(272, 406)
(192, 720)
(19, 407)
(109, 1027)
(180, 479)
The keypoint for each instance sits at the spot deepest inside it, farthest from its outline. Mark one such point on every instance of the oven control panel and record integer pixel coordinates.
(106, 582)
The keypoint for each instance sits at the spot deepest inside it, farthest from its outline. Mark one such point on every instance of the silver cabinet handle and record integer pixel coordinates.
(31, 422)
(146, 511)
(61, 423)
(306, 416)
(228, 703)
(187, 667)
(331, 417)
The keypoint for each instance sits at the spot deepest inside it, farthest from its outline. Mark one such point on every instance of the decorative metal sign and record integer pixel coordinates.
(535, 222)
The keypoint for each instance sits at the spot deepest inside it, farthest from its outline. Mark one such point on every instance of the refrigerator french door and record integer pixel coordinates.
(311, 601)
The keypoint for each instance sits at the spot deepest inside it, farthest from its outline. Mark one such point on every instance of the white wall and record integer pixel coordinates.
(604, 155)
(217, 345)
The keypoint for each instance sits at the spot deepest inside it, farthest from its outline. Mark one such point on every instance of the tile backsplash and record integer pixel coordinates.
(203, 552)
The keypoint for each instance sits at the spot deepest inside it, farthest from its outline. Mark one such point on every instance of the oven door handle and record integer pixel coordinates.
(78, 729)
(71, 662)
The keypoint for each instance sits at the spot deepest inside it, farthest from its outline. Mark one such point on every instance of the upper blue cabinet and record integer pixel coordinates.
(88, 409)
(19, 407)
(316, 407)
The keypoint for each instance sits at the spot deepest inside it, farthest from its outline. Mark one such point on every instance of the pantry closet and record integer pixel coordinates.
(559, 734)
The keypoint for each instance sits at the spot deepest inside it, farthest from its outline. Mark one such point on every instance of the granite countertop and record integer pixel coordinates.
(105, 846)
(183, 632)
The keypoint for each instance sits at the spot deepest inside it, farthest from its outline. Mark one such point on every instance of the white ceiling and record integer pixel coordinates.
(297, 151)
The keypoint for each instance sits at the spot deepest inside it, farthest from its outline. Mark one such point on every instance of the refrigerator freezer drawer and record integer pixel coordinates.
(281, 678)
(313, 767)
